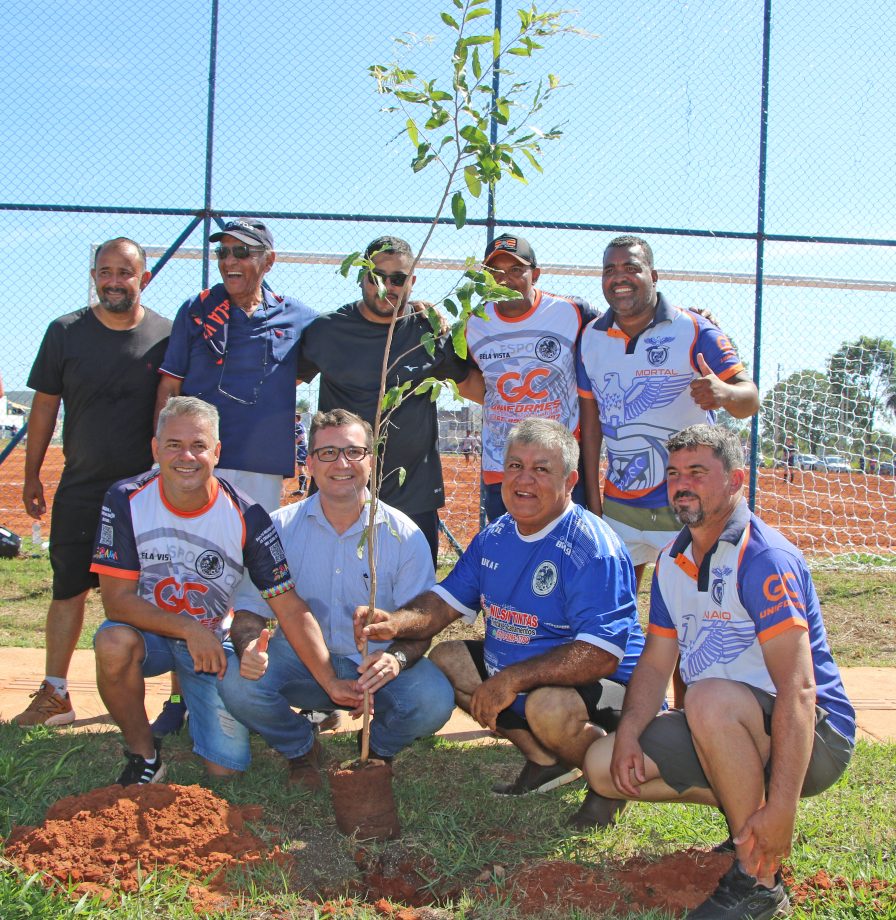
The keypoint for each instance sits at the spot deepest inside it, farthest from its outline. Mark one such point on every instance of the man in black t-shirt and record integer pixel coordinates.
(102, 362)
(347, 347)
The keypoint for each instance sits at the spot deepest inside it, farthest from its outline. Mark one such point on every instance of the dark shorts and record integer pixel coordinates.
(72, 535)
(603, 699)
(667, 742)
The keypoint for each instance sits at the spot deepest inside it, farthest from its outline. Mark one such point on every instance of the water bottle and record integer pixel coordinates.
(35, 535)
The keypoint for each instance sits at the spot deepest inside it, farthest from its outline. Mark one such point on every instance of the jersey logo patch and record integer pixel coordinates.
(718, 585)
(210, 564)
(658, 349)
(544, 579)
(547, 348)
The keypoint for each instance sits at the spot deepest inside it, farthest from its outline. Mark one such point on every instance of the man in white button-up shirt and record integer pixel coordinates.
(322, 536)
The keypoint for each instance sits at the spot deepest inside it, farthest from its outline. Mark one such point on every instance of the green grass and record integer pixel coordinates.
(452, 830)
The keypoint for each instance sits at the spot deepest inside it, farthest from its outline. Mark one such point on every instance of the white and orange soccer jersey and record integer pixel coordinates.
(528, 363)
(642, 388)
(189, 563)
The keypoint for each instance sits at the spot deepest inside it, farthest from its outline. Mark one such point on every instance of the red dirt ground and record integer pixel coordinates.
(823, 513)
(101, 842)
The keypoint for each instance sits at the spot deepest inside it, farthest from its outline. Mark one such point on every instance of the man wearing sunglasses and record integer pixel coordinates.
(236, 346)
(321, 536)
(347, 347)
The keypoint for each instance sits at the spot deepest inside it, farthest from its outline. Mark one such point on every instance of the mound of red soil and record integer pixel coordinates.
(679, 881)
(101, 840)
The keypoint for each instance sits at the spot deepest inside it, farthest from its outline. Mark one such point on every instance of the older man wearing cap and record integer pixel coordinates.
(526, 351)
(236, 346)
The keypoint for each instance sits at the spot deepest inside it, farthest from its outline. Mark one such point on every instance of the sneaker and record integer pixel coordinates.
(739, 897)
(47, 707)
(322, 721)
(536, 778)
(596, 811)
(172, 717)
(305, 770)
(138, 772)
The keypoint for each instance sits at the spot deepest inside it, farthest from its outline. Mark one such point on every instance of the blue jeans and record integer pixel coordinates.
(216, 734)
(415, 704)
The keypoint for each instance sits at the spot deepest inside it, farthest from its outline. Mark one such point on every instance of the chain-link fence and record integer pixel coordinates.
(746, 141)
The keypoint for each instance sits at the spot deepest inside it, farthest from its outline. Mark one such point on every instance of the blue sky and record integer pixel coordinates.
(106, 105)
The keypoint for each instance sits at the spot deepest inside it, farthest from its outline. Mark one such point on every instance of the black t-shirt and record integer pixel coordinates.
(347, 351)
(108, 380)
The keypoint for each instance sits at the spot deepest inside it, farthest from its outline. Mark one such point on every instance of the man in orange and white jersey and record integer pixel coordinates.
(526, 352)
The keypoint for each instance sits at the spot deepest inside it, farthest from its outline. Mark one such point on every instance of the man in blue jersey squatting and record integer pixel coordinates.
(557, 590)
(766, 720)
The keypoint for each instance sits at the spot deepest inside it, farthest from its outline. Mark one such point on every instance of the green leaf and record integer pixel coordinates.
(477, 40)
(428, 341)
(472, 134)
(438, 118)
(475, 14)
(496, 44)
(449, 21)
(529, 156)
(451, 306)
(347, 263)
(520, 52)
(402, 475)
(474, 184)
(459, 340)
(459, 210)
(477, 65)
(412, 132)
(409, 95)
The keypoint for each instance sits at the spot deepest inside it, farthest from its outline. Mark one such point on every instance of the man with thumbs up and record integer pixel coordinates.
(326, 545)
(645, 370)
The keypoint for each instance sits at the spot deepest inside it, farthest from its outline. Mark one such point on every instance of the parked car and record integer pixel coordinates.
(808, 462)
(834, 464)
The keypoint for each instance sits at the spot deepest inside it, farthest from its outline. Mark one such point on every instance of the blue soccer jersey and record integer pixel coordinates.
(752, 587)
(189, 563)
(573, 580)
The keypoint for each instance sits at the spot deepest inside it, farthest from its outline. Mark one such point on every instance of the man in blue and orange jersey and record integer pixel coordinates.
(646, 369)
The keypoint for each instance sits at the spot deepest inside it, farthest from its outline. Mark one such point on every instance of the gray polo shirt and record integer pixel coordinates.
(333, 580)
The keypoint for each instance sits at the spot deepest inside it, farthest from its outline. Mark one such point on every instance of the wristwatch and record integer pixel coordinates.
(401, 658)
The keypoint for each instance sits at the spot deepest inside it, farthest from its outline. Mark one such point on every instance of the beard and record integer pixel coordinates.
(689, 516)
(125, 303)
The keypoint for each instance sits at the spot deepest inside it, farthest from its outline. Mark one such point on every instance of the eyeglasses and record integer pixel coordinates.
(238, 252)
(353, 453)
(396, 279)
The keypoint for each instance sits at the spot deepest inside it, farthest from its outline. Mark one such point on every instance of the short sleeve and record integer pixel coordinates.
(583, 381)
(461, 588)
(177, 356)
(660, 621)
(46, 372)
(264, 556)
(307, 368)
(415, 573)
(115, 548)
(600, 600)
(774, 594)
(718, 352)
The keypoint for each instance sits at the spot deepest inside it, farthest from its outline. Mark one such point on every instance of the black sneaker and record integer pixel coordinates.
(739, 897)
(172, 717)
(138, 772)
(536, 778)
(596, 811)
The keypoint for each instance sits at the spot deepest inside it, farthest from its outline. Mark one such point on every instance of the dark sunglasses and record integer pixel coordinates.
(396, 279)
(239, 252)
(353, 452)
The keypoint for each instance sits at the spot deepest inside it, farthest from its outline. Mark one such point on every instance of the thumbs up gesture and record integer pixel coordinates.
(254, 662)
(707, 390)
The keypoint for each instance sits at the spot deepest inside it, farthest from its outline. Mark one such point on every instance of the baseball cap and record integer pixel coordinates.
(515, 246)
(247, 229)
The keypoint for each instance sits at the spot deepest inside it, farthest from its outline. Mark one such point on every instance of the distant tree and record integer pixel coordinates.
(801, 406)
(862, 377)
